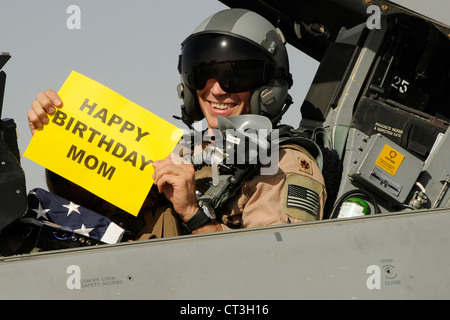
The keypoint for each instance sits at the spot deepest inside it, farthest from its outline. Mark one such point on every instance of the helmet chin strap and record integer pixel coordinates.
(185, 118)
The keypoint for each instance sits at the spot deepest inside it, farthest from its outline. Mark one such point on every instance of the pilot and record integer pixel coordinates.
(234, 63)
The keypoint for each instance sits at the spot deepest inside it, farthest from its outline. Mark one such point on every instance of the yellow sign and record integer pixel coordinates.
(103, 142)
(389, 160)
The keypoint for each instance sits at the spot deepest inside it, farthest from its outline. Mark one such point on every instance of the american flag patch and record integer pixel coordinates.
(303, 198)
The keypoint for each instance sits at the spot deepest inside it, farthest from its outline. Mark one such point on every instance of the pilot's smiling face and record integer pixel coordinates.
(214, 101)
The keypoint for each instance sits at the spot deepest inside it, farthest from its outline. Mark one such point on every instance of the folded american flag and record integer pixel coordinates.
(44, 205)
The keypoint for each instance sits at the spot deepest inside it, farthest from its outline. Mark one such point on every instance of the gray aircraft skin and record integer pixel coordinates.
(380, 100)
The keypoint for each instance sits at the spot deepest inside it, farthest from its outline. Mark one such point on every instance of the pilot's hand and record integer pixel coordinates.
(44, 104)
(175, 177)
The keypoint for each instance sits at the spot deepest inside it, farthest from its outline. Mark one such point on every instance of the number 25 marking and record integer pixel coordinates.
(400, 85)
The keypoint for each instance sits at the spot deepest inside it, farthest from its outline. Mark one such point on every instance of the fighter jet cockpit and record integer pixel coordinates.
(376, 117)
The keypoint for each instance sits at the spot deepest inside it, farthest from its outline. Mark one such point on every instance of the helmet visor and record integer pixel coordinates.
(235, 63)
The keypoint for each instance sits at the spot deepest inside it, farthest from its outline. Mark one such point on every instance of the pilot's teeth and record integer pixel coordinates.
(221, 106)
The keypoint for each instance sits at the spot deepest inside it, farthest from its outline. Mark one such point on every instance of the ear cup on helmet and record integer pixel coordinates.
(269, 99)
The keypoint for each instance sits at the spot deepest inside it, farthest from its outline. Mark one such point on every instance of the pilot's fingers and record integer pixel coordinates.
(178, 185)
(54, 97)
(33, 121)
(44, 104)
(166, 180)
(37, 114)
(165, 167)
(48, 100)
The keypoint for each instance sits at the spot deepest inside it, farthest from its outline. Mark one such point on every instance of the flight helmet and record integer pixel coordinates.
(244, 52)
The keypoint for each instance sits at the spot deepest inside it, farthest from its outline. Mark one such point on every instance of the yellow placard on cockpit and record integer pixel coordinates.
(389, 160)
(103, 142)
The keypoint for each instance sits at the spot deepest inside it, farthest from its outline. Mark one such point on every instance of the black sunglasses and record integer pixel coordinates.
(233, 76)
